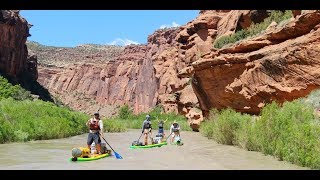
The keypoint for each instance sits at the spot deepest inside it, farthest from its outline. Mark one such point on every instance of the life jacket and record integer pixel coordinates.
(94, 124)
(146, 125)
(175, 127)
(161, 123)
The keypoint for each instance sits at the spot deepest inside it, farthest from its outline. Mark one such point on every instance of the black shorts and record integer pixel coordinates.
(93, 137)
(160, 131)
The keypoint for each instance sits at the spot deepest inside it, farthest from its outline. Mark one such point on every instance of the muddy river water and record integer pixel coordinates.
(197, 153)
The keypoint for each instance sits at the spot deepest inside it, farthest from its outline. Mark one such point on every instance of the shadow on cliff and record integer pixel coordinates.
(29, 84)
(35, 88)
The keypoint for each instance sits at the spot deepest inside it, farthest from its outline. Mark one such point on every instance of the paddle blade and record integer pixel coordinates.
(117, 155)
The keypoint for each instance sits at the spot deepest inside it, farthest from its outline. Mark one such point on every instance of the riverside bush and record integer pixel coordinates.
(15, 91)
(37, 120)
(290, 131)
(114, 125)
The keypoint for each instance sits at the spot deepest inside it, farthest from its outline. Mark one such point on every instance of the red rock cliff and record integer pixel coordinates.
(130, 78)
(281, 64)
(14, 61)
(180, 68)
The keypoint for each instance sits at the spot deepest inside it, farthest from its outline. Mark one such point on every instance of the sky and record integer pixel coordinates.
(64, 28)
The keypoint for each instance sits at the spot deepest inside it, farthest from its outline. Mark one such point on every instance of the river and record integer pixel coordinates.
(197, 153)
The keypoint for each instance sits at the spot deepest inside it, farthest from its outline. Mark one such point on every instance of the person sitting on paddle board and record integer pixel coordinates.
(146, 129)
(95, 129)
(174, 130)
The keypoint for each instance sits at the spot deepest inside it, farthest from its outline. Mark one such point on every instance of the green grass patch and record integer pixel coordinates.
(254, 29)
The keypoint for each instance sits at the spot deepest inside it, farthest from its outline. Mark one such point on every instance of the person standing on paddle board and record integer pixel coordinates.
(161, 126)
(174, 130)
(95, 129)
(146, 129)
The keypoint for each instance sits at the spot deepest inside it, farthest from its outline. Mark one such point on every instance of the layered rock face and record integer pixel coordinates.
(14, 60)
(85, 86)
(281, 64)
(194, 41)
(129, 78)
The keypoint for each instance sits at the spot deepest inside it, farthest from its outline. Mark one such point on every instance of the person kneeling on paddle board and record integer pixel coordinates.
(95, 129)
(174, 130)
(146, 129)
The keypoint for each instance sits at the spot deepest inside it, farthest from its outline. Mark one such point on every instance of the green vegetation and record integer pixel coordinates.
(312, 99)
(190, 81)
(289, 132)
(125, 112)
(224, 128)
(16, 92)
(127, 120)
(36, 120)
(113, 125)
(24, 119)
(254, 29)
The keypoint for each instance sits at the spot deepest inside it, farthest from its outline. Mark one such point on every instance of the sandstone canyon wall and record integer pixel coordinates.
(281, 64)
(14, 60)
(180, 69)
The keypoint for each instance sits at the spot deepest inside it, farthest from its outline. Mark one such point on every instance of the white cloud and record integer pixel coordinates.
(163, 26)
(173, 24)
(122, 42)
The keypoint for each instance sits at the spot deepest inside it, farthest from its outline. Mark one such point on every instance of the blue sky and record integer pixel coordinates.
(118, 27)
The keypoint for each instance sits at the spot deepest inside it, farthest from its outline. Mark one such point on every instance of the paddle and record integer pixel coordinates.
(140, 137)
(169, 136)
(115, 153)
